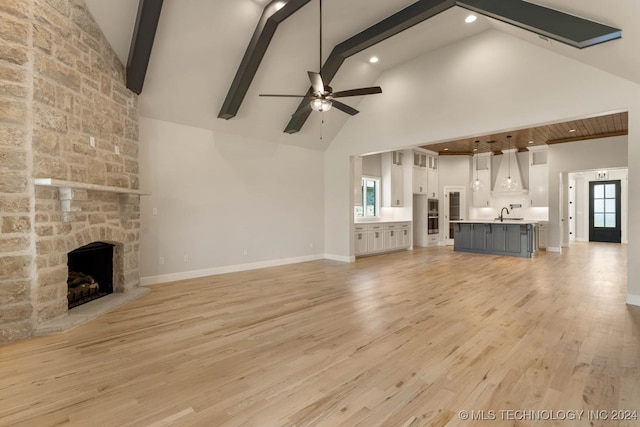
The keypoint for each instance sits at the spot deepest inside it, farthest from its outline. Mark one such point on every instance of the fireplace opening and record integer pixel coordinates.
(90, 273)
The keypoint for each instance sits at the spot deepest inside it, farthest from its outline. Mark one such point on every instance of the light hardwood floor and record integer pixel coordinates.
(407, 339)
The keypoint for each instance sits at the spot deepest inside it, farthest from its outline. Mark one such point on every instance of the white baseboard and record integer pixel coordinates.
(633, 299)
(194, 274)
(340, 258)
(554, 249)
(582, 239)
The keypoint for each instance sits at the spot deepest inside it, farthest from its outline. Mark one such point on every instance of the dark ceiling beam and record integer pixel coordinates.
(144, 33)
(269, 21)
(569, 29)
(394, 24)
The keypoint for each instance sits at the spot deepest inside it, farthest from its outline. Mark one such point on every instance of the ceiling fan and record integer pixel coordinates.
(321, 96)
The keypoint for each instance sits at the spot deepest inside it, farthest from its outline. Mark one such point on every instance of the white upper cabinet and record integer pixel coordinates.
(432, 184)
(538, 176)
(419, 172)
(392, 179)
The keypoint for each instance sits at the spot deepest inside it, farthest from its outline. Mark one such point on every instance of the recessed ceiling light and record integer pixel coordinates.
(475, 149)
(471, 18)
(530, 142)
(374, 59)
(279, 5)
(572, 130)
(446, 149)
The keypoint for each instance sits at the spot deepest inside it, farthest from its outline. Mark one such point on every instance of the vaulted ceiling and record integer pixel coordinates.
(200, 43)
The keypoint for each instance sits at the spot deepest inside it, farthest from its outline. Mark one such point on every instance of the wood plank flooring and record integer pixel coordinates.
(406, 339)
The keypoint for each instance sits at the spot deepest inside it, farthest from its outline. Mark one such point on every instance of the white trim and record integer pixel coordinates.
(340, 258)
(554, 249)
(194, 274)
(633, 299)
(582, 239)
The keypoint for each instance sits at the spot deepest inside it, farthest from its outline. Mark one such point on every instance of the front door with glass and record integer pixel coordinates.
(604, 211)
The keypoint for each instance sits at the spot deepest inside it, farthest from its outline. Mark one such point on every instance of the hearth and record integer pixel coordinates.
(90, 273)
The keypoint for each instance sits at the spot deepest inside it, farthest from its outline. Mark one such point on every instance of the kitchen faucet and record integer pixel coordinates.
(502, 217)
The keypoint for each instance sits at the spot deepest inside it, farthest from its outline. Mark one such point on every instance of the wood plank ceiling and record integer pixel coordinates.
(575, 130)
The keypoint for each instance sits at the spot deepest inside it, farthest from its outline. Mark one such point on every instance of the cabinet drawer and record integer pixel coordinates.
(360, 227)
(404, 225)
(375, 227)
(390, 226)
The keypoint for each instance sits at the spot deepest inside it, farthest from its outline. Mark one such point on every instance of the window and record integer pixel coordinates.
(370, 194)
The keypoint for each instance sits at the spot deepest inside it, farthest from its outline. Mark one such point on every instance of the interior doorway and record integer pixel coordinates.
(581, 211)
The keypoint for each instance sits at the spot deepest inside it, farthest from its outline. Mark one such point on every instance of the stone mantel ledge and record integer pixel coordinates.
(51, 182)
(65, 188)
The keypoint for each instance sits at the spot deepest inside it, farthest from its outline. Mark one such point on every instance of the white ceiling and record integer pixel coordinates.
(200, 43)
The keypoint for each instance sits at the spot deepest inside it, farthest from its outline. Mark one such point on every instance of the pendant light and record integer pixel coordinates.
(509, 183)
(477, 185)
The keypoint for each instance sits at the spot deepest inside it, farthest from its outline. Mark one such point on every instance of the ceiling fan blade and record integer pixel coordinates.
(357, 92)
(283, 96)
(304, 108)
(345, 108)
(316, 82)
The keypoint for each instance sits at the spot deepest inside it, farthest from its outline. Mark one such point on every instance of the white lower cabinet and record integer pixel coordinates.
(542, 235)
(360, 239)
(375, 239)
(404, 234)
(381, 237)
(390, 237)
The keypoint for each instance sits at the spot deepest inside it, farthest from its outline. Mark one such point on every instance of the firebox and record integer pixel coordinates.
(90, 273)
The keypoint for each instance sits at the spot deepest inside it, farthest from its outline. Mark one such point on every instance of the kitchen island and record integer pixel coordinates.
(508, 237)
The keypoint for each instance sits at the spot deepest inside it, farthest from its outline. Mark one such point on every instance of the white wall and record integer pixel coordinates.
(578, 156)
(481, 85)
(218, 195)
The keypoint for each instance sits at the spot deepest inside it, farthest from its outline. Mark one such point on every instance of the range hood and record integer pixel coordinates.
(509, 168)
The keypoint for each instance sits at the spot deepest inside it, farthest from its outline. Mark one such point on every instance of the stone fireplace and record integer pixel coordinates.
(69, 159)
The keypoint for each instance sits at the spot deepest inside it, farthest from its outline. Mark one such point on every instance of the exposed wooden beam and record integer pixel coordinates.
(144, 34)
(269, 21)
(394, 24)
(584, 138)
(569, 29)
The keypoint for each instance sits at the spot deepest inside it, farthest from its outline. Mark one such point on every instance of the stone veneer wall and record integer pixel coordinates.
(60, 83)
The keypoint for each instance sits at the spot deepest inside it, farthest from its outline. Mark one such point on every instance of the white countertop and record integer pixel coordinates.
(383, 221)
(497, 221)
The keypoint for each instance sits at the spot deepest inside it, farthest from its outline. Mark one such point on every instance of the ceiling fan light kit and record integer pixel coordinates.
(320, 104)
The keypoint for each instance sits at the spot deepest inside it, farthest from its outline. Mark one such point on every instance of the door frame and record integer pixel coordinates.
(448, 240)
(616, 233)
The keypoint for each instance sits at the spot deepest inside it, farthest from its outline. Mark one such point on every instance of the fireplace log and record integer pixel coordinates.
(76, 279)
